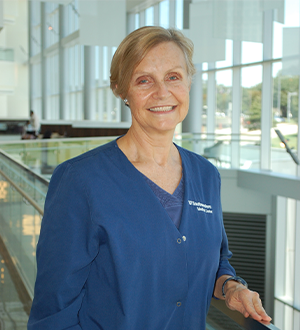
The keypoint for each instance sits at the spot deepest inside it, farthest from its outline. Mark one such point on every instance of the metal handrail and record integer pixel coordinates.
(182, 137)
(246, 323)
(23, 193)
(24, 167)
(114, 137)
(92, 138)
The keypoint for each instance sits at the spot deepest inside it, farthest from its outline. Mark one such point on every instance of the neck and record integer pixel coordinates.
(140, 146)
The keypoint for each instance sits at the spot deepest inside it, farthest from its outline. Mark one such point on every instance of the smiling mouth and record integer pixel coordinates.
(162, 109)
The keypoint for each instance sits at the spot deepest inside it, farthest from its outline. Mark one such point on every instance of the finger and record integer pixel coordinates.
(244, 303)
(246, 314)
(253, 312)
(248, 303)
(262, 313)
(257, 311)
(260, 310)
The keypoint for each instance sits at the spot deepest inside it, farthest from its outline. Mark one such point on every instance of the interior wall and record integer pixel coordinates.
(241, 200)
(14, 84)
(247, 201)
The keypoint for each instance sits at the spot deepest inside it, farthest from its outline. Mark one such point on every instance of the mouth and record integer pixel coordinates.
(162, 109)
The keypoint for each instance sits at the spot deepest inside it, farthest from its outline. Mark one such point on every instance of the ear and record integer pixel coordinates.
(126, 102)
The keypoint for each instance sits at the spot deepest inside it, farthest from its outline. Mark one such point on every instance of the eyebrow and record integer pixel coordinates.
(148, 73)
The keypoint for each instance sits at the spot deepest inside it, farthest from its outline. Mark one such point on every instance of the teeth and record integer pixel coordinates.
(161, 108)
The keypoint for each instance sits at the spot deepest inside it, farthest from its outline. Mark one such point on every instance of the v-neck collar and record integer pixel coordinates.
(132, 170)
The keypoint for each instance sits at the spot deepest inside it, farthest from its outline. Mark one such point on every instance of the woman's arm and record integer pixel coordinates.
(238, 297)
(68, 243)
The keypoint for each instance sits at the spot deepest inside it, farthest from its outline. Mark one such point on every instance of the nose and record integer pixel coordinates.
(162, 90)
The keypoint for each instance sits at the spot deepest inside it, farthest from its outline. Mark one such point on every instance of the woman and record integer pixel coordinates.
(132, 236)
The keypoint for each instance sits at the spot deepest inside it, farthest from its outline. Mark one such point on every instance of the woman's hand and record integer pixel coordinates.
(247, 302)
(241, 299)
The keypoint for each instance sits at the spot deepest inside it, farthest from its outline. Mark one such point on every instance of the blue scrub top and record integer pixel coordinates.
(109, 256)
(172, 203)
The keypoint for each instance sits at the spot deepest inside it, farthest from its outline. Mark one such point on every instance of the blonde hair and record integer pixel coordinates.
(135, 47)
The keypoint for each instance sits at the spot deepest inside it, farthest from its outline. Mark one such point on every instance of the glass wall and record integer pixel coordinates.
(247, 57)
(108, 108)
(52, 86)
(224, 101)
(247, 51)
(36, 91)
(20, 220)
(52, 23)
(73, 82)
(285, 75)
(35, 27)
(164, 13)
(71, 17)
(284, 119)
(251, 98)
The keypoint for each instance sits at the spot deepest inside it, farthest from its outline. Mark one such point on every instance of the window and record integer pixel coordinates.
(164, 14)
(52, 23)
(52, 87)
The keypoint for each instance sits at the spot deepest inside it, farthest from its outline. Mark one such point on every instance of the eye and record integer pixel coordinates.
(143, 81)
(173, 77)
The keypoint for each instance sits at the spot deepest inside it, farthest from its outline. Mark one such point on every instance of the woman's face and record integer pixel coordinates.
(158, 93)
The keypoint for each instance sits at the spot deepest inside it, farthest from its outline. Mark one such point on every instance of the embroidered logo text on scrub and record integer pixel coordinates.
(201, 207)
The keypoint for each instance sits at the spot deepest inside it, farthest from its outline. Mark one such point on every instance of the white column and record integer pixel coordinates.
(142, 18)
(211, 100)
(280, 255)
(101, 104)
(278, 315)
(1, 15)
(125, 111)
(109, 94)
(296, 320)
(100, 96)
(193, 121)
(298, 166)
(270, 258)
(186, 14)
(156, 14)
(43, 63)
(266, 106)
(297, 260)
(196, 107)
(118, 109)
(172, 13)
(236, 105)
(130, 23)
(109, 104)
(89, 83)
(61, 66)
(290, 261)
(290, 248)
